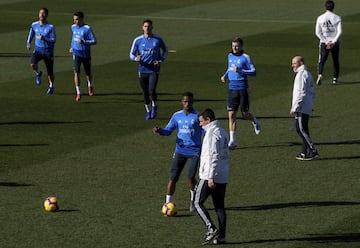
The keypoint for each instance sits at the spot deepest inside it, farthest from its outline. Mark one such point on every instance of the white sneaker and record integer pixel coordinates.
(335, 81)
(232, 145)
(257, 127)
(318, 80)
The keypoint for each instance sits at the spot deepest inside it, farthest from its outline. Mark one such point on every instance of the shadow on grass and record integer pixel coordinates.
(19, 145)
(292, 205)
(13, 184)
(23, 55)
(42, 122)
(67, 210)
(316, 238)
(267, 117)
(346, 83)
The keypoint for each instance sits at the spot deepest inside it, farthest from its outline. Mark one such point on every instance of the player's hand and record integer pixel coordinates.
(156, 129)
(329, 46)
(234, 67)
(223, 79)
(70, 50)
(79, 41)
(211, 183)
(40, 37)
(292, 112)
(137, 58)
(157, 62)
(28, 47)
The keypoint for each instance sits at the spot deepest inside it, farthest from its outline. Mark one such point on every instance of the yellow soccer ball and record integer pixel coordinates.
(51, 204)
(169, 209)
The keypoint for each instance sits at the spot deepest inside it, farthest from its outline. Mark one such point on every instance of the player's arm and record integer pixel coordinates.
(134, 51)
(250, 69)
(90, 38)
(30, 38)
(51, 38)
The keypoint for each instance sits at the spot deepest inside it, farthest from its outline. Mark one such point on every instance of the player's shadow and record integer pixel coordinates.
(42, 122)
(14, 184)
(292, 205)
(20, 145)
(315, 238)
(67, 210)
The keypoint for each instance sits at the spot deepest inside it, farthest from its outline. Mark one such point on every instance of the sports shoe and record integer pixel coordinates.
(318, 80)
(301, 156)
(219, 241)
(312, 156)
(91, 90)
(335, 81)
(78, 97)
(50, 91)
(192, 206)
(210, 236)
(232, 145)
(256, 125)
(38, 78)
(153, 112)
(148, 116)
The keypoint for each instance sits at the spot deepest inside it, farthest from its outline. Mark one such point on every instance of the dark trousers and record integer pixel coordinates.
(323, 55)
(148, 83)
(202, 192)
(302, 128)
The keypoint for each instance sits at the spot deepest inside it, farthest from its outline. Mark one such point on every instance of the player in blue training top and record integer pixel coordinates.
(45, 38)
(82, 39)
(239, 67)
(188, 145)
(150, 51)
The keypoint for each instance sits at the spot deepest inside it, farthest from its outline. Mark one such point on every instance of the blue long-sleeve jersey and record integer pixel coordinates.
(188, 140)
(45, 45)
(150, 49)
(87, 37)
(238, 79)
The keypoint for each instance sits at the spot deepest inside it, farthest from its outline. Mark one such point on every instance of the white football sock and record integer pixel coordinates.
(168, 198)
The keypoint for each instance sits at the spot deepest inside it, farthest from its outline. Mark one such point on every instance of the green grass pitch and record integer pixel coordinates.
(109, 172)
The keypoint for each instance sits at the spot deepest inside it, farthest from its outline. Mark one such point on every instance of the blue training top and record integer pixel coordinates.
(47, 42)
(149, 50)
(188, 140)
(238, 80)
(87, 37)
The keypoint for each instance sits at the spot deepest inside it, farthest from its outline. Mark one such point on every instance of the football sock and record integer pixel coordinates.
(147, 107)
(192, 192)
(232, 136)
(168, 198)
(78, 90)
(89, 83)
(51, 84)
(153, 103)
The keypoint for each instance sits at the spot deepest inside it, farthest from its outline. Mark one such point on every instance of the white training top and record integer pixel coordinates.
(328, 27)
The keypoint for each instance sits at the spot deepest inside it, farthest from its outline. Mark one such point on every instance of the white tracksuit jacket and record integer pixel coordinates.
(303, 91)
(328, 27)
(214, 159)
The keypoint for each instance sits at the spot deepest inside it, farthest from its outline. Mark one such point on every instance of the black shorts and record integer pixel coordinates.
(236, 98)
(178, 165)
(85, 61)
(48, 60)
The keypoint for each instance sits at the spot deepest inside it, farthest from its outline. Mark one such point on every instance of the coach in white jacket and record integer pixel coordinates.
(213, 175)
(302, 106)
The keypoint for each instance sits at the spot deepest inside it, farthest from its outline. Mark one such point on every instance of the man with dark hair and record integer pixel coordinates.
(45, 38)
(149, 50)
(213, 176)
(328, 29)
(302, 106)
(240, 66)
(188, 145)
(82, 39)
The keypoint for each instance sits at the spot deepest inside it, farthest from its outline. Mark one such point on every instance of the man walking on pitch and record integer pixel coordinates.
(82, 39)
(149, 50)
(188, 145)
(240, 66)
(328, 29)
(302, 106)
(45, 38)
(213, 176)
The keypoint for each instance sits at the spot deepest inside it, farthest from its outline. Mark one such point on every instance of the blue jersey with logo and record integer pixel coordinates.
(188, 140)
(150, 49)
(238, 79)
(45, 45)
(87, 37)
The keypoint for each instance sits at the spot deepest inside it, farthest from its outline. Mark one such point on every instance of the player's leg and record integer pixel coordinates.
(87, 69)
(218, 197)
(49, 63)
(35, 58)
(177, 166)
(302, 129)
(335, 52)
(77, 64)
(244, 107)
(144, 84)
(323, 55)
(153, 81)
(202, 192)
(193, 165)
(233, 102)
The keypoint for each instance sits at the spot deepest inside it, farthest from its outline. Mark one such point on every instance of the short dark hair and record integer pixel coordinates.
(79, 14)
(188, 93)
(329, 5)
(238, 40)
(46, 11)
(208, 114)
(147, 21)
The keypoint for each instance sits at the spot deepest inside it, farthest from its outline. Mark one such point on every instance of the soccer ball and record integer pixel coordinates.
(51, 204)
(169, 209)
